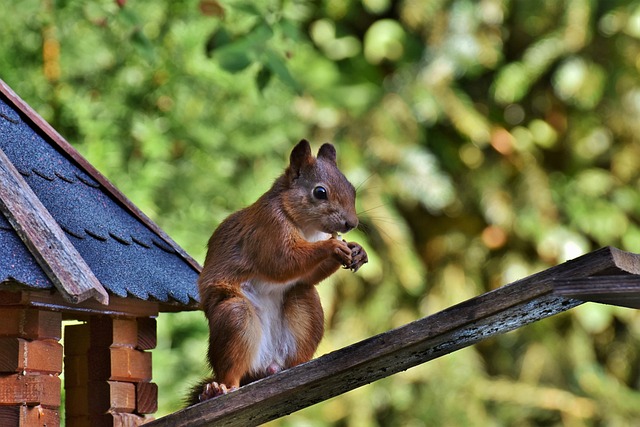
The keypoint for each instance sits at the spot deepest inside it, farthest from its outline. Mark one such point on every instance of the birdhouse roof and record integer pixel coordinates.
(129, 254)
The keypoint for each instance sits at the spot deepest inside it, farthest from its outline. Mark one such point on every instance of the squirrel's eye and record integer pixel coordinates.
(320, 193)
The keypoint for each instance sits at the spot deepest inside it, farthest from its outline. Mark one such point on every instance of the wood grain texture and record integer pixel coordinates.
(147, 336)
(31, 390)
(617, 290)
(47, 300)
(146, 398)
(112, 396)
(119, 364)
(31, 324)
(111, 332)
(28, 416)
(44, 238)
(106, 420)
(462, 325)
(118, 420)
(20, 355)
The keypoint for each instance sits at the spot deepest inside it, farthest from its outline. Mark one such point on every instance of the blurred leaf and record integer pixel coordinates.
(233, 60)
(143, 45)
(277, 65)
(247, 7)
(219, 38)
(237, 54)
(263, 78)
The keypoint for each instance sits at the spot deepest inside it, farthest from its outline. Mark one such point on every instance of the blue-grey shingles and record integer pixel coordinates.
(125, 255)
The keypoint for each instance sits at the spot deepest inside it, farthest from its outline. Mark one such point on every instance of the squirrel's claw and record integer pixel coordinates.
(214, 389)
(358, 257)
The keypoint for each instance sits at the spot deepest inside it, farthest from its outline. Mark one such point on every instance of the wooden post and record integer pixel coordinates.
(30, 362)
(108, 372)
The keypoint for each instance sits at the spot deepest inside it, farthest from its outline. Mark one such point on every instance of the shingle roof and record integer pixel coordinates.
(125, 251)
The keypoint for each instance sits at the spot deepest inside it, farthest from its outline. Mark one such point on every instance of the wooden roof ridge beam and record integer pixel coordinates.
(45, 239)
(495, 312)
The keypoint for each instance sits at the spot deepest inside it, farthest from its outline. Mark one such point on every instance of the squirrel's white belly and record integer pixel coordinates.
(277, 341)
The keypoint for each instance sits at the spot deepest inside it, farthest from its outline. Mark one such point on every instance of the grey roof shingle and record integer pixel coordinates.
(126, 255)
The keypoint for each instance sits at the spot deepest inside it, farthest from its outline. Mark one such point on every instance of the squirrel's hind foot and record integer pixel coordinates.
(214, 389)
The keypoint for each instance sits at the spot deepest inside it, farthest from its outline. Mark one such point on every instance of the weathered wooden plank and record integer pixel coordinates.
(46, 300)
(479, 318)
(615, 290)
(46, 241)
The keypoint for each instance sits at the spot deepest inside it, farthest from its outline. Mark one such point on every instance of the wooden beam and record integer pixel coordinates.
(482, 317)
(31, 390)
(18, 355)
(44, 238)
(23, 415)
(47, 300)
(30, 323)
(146, 397)
(623, 291)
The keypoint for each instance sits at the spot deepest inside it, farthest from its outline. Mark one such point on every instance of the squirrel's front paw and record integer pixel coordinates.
(358, 257)
(342, 252)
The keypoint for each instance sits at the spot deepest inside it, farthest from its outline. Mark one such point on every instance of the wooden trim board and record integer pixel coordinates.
(44, 238)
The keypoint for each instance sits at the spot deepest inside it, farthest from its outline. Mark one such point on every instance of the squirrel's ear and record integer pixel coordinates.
(300, 155)
(328, 152)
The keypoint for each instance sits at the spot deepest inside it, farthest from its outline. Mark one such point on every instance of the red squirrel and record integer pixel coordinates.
(257, 286)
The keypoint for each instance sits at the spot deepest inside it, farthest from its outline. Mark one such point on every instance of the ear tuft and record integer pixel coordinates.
(300, 155)
(327, 152)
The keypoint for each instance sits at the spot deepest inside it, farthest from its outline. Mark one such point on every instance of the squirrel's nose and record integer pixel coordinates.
(350, 224)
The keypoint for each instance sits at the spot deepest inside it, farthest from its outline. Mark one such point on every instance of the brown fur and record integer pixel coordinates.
(266, 254)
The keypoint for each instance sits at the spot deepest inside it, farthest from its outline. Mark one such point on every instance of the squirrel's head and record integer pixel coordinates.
(319, 198)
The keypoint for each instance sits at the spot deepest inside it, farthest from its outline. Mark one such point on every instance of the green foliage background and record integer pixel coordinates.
(488, 140)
